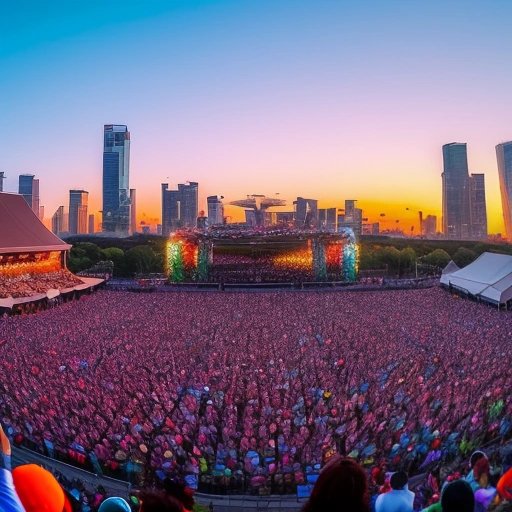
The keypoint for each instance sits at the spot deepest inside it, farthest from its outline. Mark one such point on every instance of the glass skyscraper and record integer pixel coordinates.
(78, 200)
(179, 207)
(456, 215)
(504, 156)
(116, 179)
(28, 187)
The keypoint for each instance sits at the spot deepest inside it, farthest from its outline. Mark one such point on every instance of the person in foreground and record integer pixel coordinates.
(9, 500)
(342, 485)
(399, 499)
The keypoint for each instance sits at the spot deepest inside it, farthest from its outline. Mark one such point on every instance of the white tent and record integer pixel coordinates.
(451, 268)
(488, 278)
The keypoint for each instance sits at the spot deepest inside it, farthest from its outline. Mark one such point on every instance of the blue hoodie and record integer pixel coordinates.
(9, 501)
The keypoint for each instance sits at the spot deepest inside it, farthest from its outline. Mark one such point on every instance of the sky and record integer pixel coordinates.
(328, 99)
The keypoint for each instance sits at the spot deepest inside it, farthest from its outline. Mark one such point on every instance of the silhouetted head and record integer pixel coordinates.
(458, 497)
(342, 485)
(399, 480)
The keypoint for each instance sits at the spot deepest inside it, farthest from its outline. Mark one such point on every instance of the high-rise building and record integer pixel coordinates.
(455, 176)
(285, 218)
(28, 187)
(58, 221)
(352, 218)
(327, 219)
(78, 200)
(306, 213)
(504, 156)
(92, 227)
(215, 210)
(116, 179)
(41, 213)
(477, 207)
(133, 211)
(2, 178)
(430, 225)
(179, 207)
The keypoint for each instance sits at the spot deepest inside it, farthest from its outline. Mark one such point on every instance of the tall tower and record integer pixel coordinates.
(133, 211)
(179, 207)
(504, 156)
(116, 179)
(477, 206)
(455, 176)
(58, 221)
(2, 178)
(28, 187)
(215, 210)
(78, 200)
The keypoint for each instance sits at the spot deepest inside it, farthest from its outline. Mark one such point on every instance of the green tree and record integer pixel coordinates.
(141, 259)
(88, 249)
(437, 258)
(116, 256)
(407, 260)
(464, 256)
(389, 256)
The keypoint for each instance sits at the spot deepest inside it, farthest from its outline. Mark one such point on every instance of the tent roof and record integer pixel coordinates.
(22, 231)
(451, 267)
(489, 277)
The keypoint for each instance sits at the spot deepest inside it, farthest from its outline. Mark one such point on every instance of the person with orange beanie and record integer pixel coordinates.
(39, 490)
(9, 500)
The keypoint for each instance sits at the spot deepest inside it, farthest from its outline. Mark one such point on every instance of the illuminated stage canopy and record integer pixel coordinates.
(225, 255)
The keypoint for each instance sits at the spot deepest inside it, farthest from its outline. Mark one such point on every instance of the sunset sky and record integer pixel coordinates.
(326, 99)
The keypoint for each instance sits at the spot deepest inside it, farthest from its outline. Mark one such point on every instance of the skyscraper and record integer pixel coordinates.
(58, 221)
(352, 218)
(430, 225)
(78, 200)
(2, 178)
(116, 179)
(215, 210)
(28, 187)
(504, 156)
(306, 213)
(133, 211)
(477, 207)
(179, 207)
(91, 224)
(327, 219)
(455, 176)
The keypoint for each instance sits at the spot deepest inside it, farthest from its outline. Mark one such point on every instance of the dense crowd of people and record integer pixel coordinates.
(257, 390)
(26, 285)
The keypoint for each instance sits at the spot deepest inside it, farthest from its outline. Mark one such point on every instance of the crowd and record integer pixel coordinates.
(240, 390)
(26, 285)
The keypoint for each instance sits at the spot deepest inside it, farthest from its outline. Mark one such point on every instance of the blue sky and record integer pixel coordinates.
(338, 99)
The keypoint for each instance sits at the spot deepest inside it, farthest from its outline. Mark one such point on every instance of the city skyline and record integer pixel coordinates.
(331, 101)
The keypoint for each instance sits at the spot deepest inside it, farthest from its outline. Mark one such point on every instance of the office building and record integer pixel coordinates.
(58, 221)
(41, 213)
(430, 225)
(133, 211)
(285, 218)
(455, 178)
(2, 178)
(327, 219)
(116, 180)
(215, 210)
(92, 225)
(28, 187)
(477, 207)
(504, 157)
(306, 213)
(78, 200)
(352, 218)
(179, 207)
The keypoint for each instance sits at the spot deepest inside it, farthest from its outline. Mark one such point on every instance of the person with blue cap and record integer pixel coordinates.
(114, 505)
